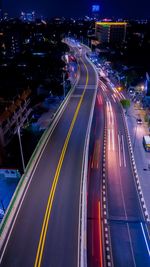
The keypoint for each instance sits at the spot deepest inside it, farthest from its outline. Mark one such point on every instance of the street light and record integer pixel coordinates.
(21, 150)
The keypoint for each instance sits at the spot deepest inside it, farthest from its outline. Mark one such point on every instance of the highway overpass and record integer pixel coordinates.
(45, 231)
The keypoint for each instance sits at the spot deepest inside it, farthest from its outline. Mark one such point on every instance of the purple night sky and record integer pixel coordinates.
(77, 8)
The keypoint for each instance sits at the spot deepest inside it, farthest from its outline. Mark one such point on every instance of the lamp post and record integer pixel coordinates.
(21, 150)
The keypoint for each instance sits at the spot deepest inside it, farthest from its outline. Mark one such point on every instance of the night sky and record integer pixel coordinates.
(77, 8)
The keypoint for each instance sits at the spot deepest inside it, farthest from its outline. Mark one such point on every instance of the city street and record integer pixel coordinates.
(127, 226)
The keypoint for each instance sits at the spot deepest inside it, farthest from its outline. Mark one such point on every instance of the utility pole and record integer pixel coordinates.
(21, 150)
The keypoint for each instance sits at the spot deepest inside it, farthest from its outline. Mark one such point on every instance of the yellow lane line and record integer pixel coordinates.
(55, 181)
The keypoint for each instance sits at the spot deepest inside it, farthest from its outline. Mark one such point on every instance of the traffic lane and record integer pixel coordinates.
(132, 203)
(124, 165)
(61, 247)
(93, 237)
(121, 243)
(140, 244)
(133, 206)
(133, 247)
(82, 77)
(121, 250)
(92, 74)
(114, 188)
(35, 201)
(95, 154)
(94, 185)
(133, 254)
(83, 71)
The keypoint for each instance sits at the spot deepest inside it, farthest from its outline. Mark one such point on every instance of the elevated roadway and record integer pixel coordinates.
(46, 230)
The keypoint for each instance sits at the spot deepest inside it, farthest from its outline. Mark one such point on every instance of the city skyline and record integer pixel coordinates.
(126, 9)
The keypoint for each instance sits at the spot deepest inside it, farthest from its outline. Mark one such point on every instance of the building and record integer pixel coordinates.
(11, 38)
(13, 116)
(110, 32)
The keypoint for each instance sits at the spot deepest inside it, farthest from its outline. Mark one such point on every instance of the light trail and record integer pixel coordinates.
(146, 242)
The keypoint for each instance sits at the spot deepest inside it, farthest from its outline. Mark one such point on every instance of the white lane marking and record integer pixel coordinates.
(108, 112)
(146, 242)
(112, 115)
(128, 229)
(122, 95)
(108, 139)
(109, 117)
(118, 98)
(124, 157)
(113, 142)
(119, 150)
(114, 98)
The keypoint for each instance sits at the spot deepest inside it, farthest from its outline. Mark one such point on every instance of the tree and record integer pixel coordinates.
(125, 104)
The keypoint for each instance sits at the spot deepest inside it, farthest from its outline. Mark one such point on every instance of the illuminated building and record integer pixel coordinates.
(95, 11)
(110, 32)
(16, 112)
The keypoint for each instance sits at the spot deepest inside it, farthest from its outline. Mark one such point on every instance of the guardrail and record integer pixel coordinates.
(16, 201)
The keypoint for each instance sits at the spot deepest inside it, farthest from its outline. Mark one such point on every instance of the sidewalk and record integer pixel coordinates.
(142, 158)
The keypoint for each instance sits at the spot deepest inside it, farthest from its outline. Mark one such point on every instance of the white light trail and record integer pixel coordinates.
(119, 150)
(124, 158)
(146, 242)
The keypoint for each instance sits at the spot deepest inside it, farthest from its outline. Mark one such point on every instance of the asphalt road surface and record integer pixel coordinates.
(94, 225)
(46, 231)
(128, 230)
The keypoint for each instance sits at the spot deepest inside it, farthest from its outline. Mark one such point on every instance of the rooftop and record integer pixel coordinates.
(111, 23)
